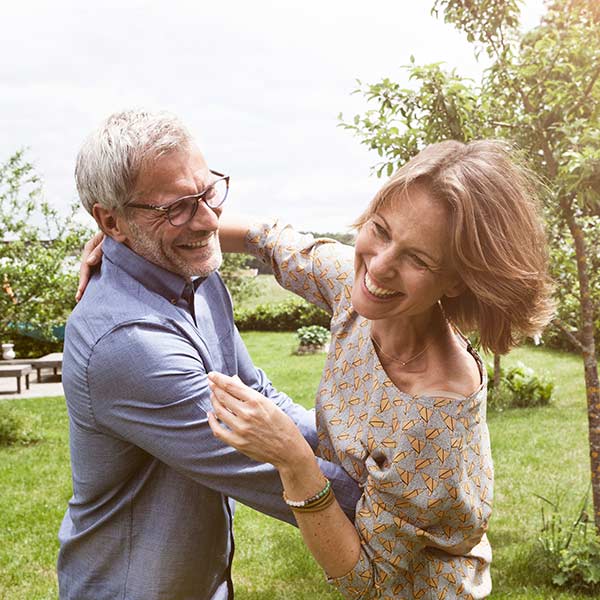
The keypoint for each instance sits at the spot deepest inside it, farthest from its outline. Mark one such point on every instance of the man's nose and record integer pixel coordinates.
(206, 218)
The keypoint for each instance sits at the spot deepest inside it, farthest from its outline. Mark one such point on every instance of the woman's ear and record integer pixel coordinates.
(110, 222)
(455, 288)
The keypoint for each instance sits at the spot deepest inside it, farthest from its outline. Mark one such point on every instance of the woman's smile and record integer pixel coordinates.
(376, 290)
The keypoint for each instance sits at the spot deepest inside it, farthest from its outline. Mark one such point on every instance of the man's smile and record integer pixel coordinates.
(197, 244)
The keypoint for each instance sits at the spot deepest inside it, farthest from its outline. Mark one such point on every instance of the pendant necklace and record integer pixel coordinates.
(395, 358)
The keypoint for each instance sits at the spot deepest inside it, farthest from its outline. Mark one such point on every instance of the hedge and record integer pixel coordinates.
(284, 316)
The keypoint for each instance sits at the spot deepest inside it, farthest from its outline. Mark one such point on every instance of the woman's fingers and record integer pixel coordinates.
(91, 256)
(225, 435)
(234, 387)
(226, 400)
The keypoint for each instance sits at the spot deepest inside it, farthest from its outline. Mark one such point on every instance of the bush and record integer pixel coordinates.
(16, 429)
(28, 347)
(313, 335)
(571, 549)
(284, 316)
(519, 387)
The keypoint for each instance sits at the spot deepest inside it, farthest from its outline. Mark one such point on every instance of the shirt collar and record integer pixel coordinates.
(155, 278)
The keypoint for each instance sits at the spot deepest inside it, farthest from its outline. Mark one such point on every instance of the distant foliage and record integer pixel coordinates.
(32, 347)
(563, 266)
(519, 387)
(235, 274)
(39, 255)
(284, 316)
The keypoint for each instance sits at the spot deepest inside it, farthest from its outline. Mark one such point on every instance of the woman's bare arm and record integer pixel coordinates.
(262, 431)
(232, 232)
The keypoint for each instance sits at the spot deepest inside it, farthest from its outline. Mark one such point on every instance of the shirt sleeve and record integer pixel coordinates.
(160, 405)
(428, 489)
(318, 269)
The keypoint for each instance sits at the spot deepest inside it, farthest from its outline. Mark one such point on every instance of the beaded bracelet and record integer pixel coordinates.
(308, 501)
(321, 504)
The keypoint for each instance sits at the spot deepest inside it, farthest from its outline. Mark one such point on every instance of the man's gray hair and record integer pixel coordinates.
(112, 157)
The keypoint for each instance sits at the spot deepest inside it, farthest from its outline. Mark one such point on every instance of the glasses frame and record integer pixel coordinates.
(166, 208)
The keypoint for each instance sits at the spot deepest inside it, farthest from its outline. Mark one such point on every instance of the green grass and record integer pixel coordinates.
(541, 451)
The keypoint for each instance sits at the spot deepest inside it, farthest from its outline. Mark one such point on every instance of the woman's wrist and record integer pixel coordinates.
(301, 478)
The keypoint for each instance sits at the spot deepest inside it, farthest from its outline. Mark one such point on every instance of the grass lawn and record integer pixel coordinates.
(541, 451)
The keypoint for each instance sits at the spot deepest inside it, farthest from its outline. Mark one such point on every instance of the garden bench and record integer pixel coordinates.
(50, 361)
(17, 371)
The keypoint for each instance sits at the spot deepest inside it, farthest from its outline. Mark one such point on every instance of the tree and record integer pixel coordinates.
(236, 275)
(39, 254)
(542, 93)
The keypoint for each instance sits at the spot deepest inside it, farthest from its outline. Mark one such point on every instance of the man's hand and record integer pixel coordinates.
(91, 256)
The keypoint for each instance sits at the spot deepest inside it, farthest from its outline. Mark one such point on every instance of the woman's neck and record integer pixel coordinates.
(403, 337)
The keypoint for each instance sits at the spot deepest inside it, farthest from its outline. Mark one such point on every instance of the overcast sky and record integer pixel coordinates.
(258, 82)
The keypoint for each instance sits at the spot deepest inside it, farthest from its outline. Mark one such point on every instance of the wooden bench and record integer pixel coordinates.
(50, 361)
(17, 371)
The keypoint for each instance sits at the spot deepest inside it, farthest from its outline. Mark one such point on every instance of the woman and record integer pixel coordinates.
(454, 241)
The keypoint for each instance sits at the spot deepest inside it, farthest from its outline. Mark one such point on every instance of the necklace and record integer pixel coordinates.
(395, 358)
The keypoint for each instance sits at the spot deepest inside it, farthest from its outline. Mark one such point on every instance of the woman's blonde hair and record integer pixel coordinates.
(498, 242)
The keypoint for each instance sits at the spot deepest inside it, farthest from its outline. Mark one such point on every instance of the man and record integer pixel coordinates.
(151, 512)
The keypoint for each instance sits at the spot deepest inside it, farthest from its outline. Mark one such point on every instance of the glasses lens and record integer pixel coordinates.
(215, 195)
(181, 212)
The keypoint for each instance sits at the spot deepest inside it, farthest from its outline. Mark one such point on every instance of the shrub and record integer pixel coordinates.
(284, 316)
(313, 335)
(16, 429)
(571, 549)
(519, 387)
(28, 347)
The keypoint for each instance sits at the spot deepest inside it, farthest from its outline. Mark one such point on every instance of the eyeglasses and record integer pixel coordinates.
(182, 211)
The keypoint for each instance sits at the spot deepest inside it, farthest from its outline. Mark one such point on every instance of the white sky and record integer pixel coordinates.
(259, 83)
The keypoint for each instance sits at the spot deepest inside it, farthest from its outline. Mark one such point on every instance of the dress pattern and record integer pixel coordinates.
(423, 461)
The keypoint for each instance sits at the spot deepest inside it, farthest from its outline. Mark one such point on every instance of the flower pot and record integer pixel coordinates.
(8, 352)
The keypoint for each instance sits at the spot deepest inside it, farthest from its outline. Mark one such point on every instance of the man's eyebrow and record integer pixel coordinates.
(436, 261)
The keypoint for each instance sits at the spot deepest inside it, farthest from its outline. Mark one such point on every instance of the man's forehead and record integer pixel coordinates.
(180, 168)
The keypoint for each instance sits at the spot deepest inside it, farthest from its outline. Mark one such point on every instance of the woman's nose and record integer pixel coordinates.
(383, 266)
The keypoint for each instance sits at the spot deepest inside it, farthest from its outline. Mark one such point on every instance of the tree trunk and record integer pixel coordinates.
(496, 371)
(590, 361)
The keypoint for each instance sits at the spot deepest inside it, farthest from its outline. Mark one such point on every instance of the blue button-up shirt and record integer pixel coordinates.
(151, 512)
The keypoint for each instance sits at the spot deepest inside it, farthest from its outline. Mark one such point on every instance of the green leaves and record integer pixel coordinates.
(39, 254)
(438, 105)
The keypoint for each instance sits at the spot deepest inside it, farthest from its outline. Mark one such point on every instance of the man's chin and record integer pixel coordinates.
(207, 268)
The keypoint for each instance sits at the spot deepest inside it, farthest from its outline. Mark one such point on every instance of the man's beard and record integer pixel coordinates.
(150, 249)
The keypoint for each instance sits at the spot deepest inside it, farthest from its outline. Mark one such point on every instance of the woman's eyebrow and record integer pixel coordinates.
(436, 261)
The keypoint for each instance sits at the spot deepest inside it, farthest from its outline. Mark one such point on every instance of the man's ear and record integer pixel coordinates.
(111, 223)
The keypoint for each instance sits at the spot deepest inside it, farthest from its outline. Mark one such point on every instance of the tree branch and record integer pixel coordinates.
(572, 337)
(587, 91)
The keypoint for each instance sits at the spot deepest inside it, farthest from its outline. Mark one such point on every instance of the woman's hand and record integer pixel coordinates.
(255, 425)
(90, 257)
